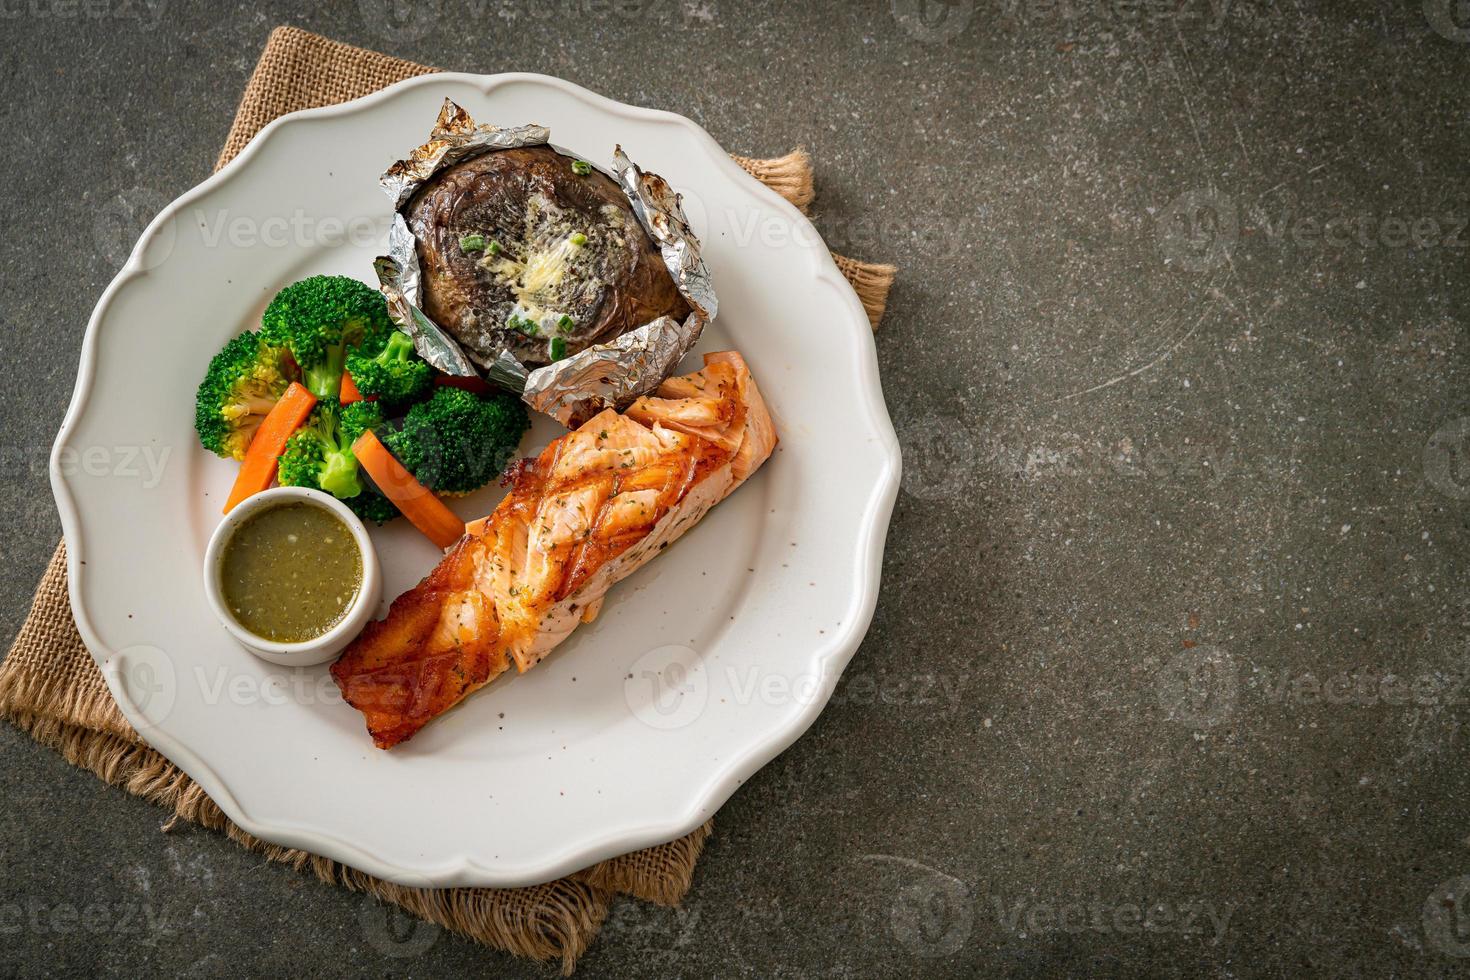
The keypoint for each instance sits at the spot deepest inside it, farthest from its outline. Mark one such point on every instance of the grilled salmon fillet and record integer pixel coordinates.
(593, 507)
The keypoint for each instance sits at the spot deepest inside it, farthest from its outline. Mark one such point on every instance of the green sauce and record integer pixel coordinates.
(289, 573)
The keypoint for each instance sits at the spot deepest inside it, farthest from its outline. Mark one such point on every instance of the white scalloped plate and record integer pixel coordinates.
(702, 667)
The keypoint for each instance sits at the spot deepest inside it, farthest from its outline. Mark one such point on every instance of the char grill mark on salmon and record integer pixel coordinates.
(588, 511)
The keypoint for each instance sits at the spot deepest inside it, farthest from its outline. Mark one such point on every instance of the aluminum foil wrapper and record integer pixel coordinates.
(610, 375)
(662, 215)
(572, 390)
(398, 280)
(455, 138)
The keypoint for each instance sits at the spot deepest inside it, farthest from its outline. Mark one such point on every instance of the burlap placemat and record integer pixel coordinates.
(51, 688)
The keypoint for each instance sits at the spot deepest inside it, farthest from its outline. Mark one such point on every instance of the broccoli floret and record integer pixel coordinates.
(456, 441)
(358, 417)
(371, 505)
(394, 373)
(241, 385)
(319, 320)
(302, 465)
(318, 455)
(299, 465)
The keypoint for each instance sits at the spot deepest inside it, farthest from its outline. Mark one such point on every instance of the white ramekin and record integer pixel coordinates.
(330, 643)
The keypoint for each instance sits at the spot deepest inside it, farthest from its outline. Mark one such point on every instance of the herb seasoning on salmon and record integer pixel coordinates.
(588, 511)
(290, 573)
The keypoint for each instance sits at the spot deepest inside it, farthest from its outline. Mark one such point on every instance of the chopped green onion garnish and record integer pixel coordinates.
(579, 239)
(472, 243)
(564, 324)
(558, 348)
(581, 168)
(494, 248)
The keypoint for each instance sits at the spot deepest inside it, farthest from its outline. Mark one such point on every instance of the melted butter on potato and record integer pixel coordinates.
(551, 261)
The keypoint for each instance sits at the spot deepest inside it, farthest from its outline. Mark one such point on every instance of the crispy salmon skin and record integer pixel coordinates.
(588, 511)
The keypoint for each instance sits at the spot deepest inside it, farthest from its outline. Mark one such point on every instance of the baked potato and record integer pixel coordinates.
(531, 251)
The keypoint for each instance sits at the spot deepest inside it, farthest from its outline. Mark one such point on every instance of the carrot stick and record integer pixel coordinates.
(259, 466)
(349, 392)
(475, 386)
(417, 502)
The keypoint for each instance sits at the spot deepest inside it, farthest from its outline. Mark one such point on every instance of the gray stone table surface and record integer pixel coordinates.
(1167, 671)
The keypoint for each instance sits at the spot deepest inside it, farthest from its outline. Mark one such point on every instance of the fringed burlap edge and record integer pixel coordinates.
(871, 281)
(554, 921)
(790, 176)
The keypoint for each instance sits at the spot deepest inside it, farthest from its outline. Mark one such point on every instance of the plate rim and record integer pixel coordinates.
(731, 773)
